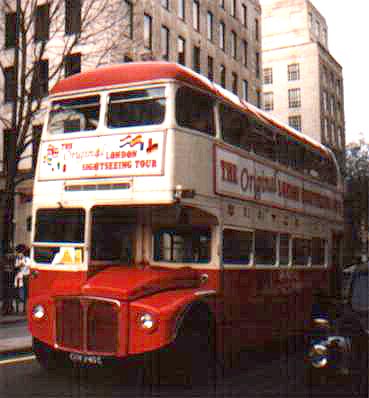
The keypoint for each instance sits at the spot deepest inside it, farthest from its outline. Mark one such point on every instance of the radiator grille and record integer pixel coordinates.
(87, 325)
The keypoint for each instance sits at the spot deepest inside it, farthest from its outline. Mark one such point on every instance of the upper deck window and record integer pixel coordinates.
(195, 110)
(74, 115)
(143, 107)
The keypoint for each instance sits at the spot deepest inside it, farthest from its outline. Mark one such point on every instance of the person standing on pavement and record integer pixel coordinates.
(22, 265)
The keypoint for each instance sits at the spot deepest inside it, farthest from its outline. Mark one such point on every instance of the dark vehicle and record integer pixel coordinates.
(339, 349)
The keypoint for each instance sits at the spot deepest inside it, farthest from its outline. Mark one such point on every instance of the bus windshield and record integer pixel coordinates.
(74, 115)
(55, 227)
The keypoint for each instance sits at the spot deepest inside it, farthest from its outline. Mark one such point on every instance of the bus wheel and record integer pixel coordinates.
(194, 348)
(50, 359)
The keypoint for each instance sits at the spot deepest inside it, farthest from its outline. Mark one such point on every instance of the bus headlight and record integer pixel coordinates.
(318, 356)
(38, 312)
(147, 322)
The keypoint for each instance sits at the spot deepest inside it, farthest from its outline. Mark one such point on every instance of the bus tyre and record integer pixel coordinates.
(194, 348)
(50, 359)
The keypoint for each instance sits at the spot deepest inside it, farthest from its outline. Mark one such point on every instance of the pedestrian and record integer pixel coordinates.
(22, 266)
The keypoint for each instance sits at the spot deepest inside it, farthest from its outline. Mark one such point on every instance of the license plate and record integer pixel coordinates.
(86, 359)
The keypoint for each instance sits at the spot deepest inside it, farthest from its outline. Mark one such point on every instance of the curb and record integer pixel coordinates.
(12, 321)
(17, 350)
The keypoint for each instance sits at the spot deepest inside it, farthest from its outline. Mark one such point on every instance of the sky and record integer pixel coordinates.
(348, 35)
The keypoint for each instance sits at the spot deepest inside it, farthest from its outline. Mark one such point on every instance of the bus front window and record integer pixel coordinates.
(74, 115)
(113, 234)
(59, 230)
(142, 107)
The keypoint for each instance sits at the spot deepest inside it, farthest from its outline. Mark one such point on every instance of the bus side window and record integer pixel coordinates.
(237, 247)
(195, 110)
(301, 252)
(284, 250)
(265, 248)
(318, 251)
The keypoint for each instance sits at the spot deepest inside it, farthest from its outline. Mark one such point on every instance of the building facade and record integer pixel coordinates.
(302, 82)
(219, 39)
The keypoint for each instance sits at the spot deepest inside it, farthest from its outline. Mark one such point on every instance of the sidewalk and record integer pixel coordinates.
(14, 334)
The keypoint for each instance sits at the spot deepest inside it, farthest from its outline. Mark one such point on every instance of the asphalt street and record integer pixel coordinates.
(277, 373)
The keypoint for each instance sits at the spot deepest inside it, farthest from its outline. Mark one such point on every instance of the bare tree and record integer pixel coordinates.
(39, 38)
(357, 197)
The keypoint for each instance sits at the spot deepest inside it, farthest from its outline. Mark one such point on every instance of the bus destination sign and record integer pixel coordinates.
(103, 156)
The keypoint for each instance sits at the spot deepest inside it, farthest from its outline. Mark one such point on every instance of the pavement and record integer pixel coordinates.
(14, 333)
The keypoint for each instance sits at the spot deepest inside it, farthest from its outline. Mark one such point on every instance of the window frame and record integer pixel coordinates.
(73, 17)
(42, 23)
(294, 98)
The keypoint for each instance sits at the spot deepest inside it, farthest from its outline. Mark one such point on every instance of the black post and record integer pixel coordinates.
(10, 164)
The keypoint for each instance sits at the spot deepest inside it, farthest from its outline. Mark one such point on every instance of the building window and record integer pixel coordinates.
(293, 72)
(165, 4)
(257, 35)
(258, 98)
(245, 50)
(211, 68)
(42, 23)
(333, 133)
(326, 130)
(196, 15)
(196, 59)
(221, 4)
(148, 31)
(325, 101)
(36, 138)
(325, 37)
(339, 136)
(10, 31)
(181, 43)
(234, 83)
(210, 30)
(333, 105)
(257, 64)
(294, 98)
(10, 89)
(72, 17)
(268, 101)
(222, 35)
(234, 8)
(165, 42)
(244, 15)
(222, 76)
(318, 29)
(267, 76)
(129, 16)
(234, 44)
(295, 122)
(72, 64)
(245, 90)
(338, 87)
(41, 79)
(182, 9)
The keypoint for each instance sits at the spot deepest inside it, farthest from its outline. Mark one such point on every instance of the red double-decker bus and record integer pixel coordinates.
(168, 214)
